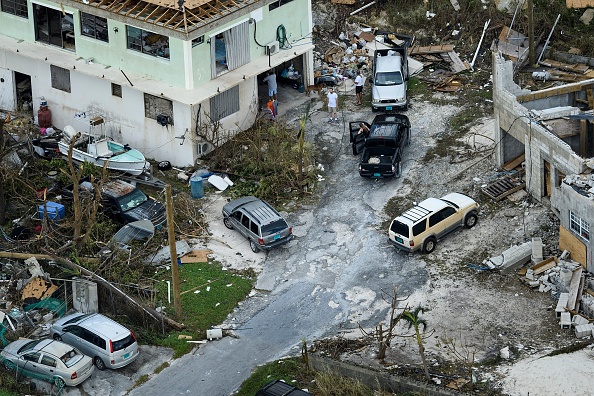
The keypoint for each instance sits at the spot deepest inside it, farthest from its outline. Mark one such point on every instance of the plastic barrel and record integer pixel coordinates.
(196, 187)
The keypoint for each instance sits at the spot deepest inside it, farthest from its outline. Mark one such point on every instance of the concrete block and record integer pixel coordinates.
(534, 283)
(537, 250)
(516, 256)
(579, 320)
(583, 331)
(565, 321)
(544, 288)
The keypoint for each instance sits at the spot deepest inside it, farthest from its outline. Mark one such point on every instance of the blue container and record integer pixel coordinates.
(196, 186)
(55, 211)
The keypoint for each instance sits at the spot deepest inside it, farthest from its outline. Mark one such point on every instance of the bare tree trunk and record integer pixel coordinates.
(422, 353)
(2, 176)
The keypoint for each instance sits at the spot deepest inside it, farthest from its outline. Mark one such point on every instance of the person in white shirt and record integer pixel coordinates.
(359, 88)
(272, 87)
(332, 105)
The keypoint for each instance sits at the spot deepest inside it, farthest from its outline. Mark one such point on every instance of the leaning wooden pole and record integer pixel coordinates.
(173, 253)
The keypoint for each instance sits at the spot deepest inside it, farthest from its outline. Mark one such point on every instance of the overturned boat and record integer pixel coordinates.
(99, 151)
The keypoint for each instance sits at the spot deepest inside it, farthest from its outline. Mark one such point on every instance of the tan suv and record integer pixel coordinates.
(428, 222)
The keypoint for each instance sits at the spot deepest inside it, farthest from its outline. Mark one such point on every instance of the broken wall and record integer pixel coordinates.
(519, 131)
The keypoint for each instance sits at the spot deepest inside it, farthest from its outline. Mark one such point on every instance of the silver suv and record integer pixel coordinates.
(421, 226)
(109, 343)
(255, 219)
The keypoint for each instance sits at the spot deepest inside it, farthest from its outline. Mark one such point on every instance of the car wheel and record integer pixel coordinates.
(59, 382)
(8, 365)
(398, 172)
(99, 363)
(254, 246)
(429, 245)
(373, 109)
(470, 220)
(164, 165)
(57, 337)
(228, 223)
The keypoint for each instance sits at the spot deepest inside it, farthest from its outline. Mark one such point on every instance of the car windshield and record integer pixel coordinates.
(132, 200)
(71, 357)
(399, 228)
(123, 343)
(388, 78)
(274, 227)
(77, 318)
(28, 346)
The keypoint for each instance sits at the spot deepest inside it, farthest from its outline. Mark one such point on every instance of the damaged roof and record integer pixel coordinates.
(184, 16)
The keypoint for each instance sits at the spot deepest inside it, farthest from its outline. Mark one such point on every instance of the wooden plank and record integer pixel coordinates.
(196, 256)
(431, 49)
(544, 265)
(574, 287)
(570, 242)
(576, 68)
(455, 62)
(551, 92)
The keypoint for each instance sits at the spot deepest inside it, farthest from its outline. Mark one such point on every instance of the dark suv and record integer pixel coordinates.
(255, 219)
(128, 203)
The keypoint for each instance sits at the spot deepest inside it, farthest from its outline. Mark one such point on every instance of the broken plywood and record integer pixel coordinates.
(510, 165)
(571, 243)
(196, 256)
(37, 289)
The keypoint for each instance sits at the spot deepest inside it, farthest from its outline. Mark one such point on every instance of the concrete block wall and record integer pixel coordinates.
(514, 119)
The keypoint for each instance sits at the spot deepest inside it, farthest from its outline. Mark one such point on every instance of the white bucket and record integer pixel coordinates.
(214, 334)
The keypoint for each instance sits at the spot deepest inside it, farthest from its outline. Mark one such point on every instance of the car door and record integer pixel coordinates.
(452, 218)
(436, 224)
(357, 139)
(50, 366)
(236, 220)
(29, 361)
(73, 335)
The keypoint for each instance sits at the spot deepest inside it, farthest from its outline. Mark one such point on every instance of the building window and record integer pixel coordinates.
(278, 3)
(15, 7)
(230, 49)
(156, 107)
(60, 78)
(54, 27)
(147, 42)
(93, 26)
(224, 104)
(198, 41)
(579, 226)
(116, 90)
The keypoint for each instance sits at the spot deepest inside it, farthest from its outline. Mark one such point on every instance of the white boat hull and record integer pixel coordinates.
(118, 157)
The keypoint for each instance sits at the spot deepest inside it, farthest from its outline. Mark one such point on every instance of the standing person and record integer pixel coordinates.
(359, 88)
(272, 87)
(271, 109)
(332, 104)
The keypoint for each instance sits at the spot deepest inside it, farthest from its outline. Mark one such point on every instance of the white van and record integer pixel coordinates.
(109, 343)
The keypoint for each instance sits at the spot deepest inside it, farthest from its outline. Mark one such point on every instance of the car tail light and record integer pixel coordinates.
(411, 242)
(261, 241)
(111, 346)
(133, 336)
(290, 230)
(112, 361)
(74, 376)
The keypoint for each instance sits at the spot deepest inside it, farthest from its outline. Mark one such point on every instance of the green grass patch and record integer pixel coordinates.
(141, 380)
(208, 294)
(161, 367)
(291, 370)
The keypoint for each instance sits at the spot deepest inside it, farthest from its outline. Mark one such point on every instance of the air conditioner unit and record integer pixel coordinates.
(272, 48)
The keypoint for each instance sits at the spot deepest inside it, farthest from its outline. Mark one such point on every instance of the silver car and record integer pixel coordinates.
(109, 343)
(60, 363)
(259, 222)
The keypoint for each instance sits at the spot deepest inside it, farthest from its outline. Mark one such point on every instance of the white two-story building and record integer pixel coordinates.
(170, 78)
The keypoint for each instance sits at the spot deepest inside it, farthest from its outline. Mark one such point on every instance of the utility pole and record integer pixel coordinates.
(531, 55)
(173, 254)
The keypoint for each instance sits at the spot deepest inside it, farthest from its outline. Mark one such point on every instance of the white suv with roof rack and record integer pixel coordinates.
(421, 226)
